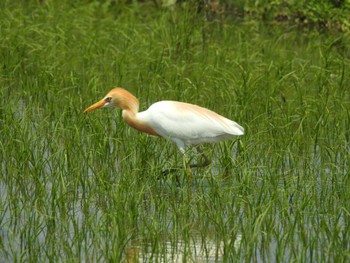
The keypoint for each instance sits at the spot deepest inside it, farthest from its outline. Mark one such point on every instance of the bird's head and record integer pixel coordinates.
(118, 98)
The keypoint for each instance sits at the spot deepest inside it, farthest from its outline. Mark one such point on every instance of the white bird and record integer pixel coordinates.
(184, 124)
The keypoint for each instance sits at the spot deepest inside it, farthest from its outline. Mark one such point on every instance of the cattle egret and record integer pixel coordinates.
(184, 124)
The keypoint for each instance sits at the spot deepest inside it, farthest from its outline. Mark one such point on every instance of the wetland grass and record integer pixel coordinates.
(76, 188)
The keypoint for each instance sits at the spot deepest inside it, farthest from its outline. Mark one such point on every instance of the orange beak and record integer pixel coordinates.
(95, 106)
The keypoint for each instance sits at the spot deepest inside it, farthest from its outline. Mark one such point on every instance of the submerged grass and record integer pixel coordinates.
(78, 187)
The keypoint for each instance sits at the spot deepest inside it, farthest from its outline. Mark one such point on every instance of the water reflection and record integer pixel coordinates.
(196, 250)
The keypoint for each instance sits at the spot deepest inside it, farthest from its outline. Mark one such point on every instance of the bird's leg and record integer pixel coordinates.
(187, 166)
(169, 171)
(188, 176)
(186, 163)
(206, 161)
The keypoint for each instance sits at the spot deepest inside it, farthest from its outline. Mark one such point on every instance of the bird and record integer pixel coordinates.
(182, 123)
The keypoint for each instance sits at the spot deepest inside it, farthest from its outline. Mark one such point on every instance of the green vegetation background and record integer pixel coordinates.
(78, 187)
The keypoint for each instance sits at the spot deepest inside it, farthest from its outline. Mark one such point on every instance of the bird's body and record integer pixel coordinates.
(188, 124)
(183, 123)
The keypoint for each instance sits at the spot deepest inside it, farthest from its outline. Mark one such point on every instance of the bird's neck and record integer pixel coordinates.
(130, 107)
(133, 120)
(128, 102)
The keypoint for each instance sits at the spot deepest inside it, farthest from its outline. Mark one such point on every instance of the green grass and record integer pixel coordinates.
(77, 187)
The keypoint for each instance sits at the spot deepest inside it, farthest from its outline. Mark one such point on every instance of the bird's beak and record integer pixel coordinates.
(95, 106)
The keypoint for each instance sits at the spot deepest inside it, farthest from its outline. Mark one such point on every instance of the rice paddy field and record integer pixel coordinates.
(81, 187)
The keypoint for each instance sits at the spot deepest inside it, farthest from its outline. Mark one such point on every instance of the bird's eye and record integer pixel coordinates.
(108, 99)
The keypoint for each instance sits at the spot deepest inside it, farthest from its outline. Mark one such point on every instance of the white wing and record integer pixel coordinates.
(188, 123)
